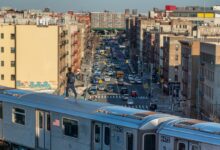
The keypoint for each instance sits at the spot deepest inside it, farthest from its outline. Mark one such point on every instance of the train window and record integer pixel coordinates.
(18, 116)
(130, 141)
(97, 134)
(48, 122)
(149, 142)
(107, 135)
(40, 120)
(70, 127)
(1, 111)
(195, 147)
(182, 146)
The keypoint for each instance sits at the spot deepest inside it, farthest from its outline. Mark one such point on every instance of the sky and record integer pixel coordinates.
(100, 5)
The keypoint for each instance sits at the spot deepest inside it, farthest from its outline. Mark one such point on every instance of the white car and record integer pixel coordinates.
(130, 101)
(139, 81)
(125, 97)
(131, 81)
(110, 73)
(101, 87)
(107, 78)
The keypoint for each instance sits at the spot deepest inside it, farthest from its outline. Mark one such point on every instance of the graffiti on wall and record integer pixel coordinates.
(36, 85)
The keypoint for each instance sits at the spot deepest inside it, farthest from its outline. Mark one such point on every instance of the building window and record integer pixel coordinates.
(12, 50)
(2, 77)
(12, 36)
(2, 49)
(18, 116)
(70, 127)
(13, 77)
(2, 63)
(1, 111)
(2, 35)
(12, 63)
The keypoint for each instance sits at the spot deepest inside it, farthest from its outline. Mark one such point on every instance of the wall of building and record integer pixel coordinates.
(37, 56)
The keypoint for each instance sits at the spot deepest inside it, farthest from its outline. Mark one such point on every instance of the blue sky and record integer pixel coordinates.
(100, 5)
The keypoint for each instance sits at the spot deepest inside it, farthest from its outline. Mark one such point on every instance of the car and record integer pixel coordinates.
(138, 81)
(97, 72)
(109, 88)
(130, 77)
(125, 97)
(92, 90)
(133, 93)
(131, 81)
(107, 78)
(110, 73)
(95, 81)
(124, 90)
(101, 87)
(121, 80)
(130, 101)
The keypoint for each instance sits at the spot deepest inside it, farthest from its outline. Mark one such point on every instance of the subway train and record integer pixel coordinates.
(30, 120)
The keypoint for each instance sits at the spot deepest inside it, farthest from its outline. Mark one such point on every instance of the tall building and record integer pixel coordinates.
(190, 57)
(209, 89)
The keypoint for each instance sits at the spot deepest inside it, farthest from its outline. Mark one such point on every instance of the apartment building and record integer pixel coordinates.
(209, 89)
(190, 56)
(7, 55)
(142, 24)
(107, 20)
(171, 61)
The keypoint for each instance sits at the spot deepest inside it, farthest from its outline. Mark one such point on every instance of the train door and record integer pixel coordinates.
(101, 136)
(193, 146)
(182, 145)
(43, 129)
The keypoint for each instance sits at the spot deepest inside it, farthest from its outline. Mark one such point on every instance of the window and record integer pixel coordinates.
(195, 147)
(41, 120)
(107, 136)
(12, 36)
(97, 134)
(2, 63)
(2, 35)
(182, 146)
(12, 63)
(149, 142)
(48, 122)
(1, 111)
(18, 116)
(70, 127)
(12, 50)
(2, 49)
(129, 141)
(12, 77)
(2, 77)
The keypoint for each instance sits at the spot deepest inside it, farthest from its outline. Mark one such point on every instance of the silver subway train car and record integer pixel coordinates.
(41, 121)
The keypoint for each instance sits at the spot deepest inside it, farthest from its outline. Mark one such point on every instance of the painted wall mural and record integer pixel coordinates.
(46, 85)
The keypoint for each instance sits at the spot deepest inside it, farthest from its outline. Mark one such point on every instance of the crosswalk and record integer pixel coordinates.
(115, 97)
(136, 106)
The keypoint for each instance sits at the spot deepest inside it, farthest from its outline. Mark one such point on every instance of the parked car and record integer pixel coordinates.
(110, 88)
(130, 101)
(134, 93)
(124, 90)
(93, 90)
(101, 87)
(107, 78)
(125, 97)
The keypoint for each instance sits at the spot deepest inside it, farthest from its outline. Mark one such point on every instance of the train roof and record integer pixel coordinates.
(192, 129)
(103, 112)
